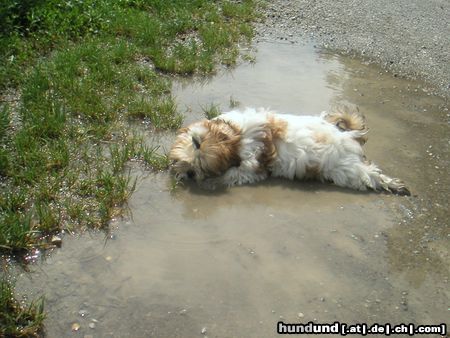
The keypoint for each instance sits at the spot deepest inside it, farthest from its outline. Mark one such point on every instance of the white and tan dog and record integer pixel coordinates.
(244, 147)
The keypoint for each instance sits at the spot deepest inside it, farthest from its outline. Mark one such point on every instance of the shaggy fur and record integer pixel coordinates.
(244, 147)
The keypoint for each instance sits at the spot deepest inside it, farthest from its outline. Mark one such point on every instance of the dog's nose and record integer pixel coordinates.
(191, 174)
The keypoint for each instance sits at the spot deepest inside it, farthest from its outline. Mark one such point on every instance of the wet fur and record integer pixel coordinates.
(244, 147)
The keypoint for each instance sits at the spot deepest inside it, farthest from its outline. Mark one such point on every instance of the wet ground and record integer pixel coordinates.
(189, 263)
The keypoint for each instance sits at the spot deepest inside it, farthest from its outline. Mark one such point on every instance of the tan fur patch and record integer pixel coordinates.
(275, 130)
(219, 149)
(182, 130)
(321, 138)
(278, 127)
(346, 119)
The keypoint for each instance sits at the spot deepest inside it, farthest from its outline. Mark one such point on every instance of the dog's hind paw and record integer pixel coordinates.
(394, 185)
(401, 191)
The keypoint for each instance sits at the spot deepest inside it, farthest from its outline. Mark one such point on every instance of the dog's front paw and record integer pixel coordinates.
(211, 184)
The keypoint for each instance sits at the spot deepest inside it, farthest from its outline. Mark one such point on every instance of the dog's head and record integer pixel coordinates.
(205, 149)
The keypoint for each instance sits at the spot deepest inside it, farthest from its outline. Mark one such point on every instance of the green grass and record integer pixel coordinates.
(179, 36)
(16, 319)
(211, 111)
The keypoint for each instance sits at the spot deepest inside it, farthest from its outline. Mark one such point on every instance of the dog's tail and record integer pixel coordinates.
(346, 119)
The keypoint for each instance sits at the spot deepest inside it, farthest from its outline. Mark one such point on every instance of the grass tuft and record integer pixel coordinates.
(211, 111)
(16, 319)
(234, 103)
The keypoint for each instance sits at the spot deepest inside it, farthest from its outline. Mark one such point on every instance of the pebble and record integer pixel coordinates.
(75, 327)
(92, 325)
(300, 315)
(204, 331)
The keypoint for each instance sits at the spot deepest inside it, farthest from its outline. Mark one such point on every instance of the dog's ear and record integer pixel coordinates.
(196, 142)
(182, 130)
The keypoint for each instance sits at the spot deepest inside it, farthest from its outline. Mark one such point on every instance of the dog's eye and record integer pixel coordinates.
(191, 174)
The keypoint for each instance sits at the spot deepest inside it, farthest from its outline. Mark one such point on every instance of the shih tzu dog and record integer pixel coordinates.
(244, 147)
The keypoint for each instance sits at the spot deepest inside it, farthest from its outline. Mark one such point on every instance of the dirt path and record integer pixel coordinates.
(408, 37)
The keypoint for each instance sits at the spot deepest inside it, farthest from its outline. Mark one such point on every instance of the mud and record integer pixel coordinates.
(189, 263)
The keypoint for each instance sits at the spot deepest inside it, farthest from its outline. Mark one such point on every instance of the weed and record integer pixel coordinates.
(234, 103)
(211, 111)
(18, 320)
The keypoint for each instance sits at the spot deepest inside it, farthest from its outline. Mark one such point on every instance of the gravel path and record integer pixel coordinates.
(411, 38)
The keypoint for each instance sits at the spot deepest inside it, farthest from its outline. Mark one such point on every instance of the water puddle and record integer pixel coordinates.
(189, 263)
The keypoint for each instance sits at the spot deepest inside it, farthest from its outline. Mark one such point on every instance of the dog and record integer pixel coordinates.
(245, 147)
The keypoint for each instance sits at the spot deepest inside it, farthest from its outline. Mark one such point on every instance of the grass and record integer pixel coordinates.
(234, 103)
(211, 111)
(16, 319)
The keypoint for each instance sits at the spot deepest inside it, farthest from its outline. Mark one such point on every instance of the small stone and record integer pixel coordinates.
(75, 327)
(204, 330)
(92, 325)
(183, 312)
(300, 315)
(108, 258)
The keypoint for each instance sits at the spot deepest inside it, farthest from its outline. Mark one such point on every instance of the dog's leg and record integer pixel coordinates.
(394, 185)
(246, 173)
(363, 175)
(243, 175)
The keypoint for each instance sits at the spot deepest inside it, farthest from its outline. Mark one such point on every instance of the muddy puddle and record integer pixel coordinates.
(188, 263)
